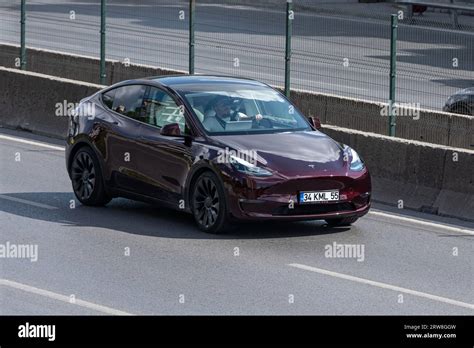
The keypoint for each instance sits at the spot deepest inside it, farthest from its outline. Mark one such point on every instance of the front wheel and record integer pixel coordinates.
(208, 204)
(341, 221)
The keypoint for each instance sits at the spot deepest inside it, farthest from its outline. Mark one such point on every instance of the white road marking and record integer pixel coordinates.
(421, 222)
(384, 285)
(25, 201)
(63, 298)
(341, 86)
(32, 142)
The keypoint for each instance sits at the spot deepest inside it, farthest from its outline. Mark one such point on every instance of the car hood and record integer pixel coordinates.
(290, 153)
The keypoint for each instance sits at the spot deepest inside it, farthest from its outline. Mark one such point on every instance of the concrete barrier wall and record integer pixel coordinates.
(427, 177)
(431, 126)
(29, 100)
(77, 67)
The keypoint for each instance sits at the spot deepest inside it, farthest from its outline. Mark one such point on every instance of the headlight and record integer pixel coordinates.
(357, 164)
(248, 168)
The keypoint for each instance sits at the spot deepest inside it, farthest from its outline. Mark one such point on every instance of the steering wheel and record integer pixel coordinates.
(265, 123)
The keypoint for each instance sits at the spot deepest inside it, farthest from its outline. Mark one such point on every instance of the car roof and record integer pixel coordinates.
(173, 81)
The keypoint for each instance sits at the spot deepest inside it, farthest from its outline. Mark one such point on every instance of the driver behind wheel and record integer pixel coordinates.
(222, 112)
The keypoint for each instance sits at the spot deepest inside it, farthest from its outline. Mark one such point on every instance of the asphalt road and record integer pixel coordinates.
(149, 33)
(407, 267)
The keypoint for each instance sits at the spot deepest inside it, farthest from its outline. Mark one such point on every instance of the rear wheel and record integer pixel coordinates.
(341, 221)
(87, 179)
(208, 204)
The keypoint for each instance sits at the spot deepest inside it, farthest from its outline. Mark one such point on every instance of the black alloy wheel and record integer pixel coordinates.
(208, 204)
(87, 178)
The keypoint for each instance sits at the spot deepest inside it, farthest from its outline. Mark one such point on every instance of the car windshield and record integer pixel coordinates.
(242, 108)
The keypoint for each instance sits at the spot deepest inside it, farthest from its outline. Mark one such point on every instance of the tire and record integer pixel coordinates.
(208, 204)
(341, 221)
(87, 179)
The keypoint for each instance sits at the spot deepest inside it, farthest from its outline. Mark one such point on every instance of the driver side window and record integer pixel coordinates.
(160, 109)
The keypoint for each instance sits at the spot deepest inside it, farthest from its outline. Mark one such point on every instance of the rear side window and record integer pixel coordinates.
(108, 98)
(128, 101)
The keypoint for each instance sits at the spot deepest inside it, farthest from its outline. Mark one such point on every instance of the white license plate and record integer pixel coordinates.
(319, 196)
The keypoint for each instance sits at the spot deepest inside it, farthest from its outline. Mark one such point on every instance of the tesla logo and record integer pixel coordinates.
(311, 166)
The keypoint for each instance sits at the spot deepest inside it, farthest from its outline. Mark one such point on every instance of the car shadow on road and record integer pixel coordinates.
(133, 217)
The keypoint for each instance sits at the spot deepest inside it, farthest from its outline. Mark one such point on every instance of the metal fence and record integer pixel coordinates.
(232, 40)
(149, 32)
(340, 49)
(337, 56)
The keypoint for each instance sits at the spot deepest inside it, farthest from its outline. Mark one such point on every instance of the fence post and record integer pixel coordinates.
(192, 10)
(23, 36)
(103, 13)
(289, 30)
(393, 75)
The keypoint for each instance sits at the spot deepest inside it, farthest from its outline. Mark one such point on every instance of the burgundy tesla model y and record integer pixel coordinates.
(223, 149)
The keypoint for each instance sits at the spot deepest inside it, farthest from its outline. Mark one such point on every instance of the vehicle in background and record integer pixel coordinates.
(462, 102)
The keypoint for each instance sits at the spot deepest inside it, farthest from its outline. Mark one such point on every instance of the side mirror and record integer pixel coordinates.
(171, 130)
(315, 122)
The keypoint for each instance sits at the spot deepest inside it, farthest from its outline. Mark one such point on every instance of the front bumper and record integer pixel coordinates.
(317, 211)
(262, 199)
